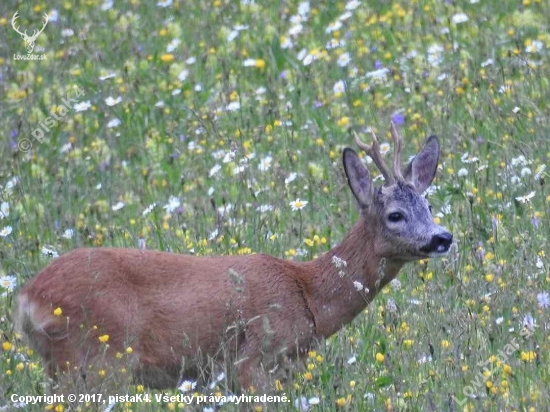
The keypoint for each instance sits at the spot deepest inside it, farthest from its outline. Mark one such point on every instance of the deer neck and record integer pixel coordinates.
(335, 298)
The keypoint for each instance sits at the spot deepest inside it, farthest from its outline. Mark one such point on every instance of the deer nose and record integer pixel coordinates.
(442, 242)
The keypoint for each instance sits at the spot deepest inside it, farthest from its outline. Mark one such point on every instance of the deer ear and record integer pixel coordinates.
(421, 170)
(358, 178)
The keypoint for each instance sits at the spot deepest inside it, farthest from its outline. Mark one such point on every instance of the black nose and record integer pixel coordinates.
(441, 242)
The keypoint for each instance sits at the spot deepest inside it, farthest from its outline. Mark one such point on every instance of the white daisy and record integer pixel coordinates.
(298, 204)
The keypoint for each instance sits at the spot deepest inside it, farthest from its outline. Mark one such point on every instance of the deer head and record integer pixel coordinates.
(29, 40)
(398, 212)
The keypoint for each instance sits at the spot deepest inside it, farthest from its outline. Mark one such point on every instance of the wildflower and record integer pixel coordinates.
(109, 101)
(298, 204)
(352, 5)
(82, 107)
(291, 178)
(187, 386)
(459, 18)
(173, 204)
(526, 198)
(380, 357)
(529, 322)
(339, 87)
(314, 400)
(129, 350)
(68, 234)
(543, 300)
(344, 59)
(341, 402)
(445, 344)
(358, 286)
(398, 119)
(113, 123)
(7, 346)
(463, 172)
(384, 148)
(528, 356)
(58, 312)
(408, 343)
(380, 74)
(8, 282)
(149, 209)
(539, 172)
(167, 58)
(265, 164)
(233, 106)
(104, 338)
(5, 209)
(49, 252)
(214, 171)
(6, 231)
(338, 262)
(352, 360)
(118, 206)
(395, 284)
(332, 27)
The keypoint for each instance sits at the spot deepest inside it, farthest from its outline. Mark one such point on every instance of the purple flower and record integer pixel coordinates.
(377, 64)
(182, 138)
(398, 119)
(283, 74)
(543, 299)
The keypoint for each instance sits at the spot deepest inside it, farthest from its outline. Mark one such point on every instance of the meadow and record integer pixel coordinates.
(198, 126)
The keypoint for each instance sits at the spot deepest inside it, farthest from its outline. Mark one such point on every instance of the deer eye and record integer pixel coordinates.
(395, 217)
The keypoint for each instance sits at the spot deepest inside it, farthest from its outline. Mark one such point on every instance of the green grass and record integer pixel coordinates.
(487, 98)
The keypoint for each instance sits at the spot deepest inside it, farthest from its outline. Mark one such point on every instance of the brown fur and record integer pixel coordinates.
(174, 310)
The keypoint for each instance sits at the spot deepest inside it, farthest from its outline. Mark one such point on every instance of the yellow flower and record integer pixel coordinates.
(167, 58)
(102, 373)
(528, 356)
(59, 408)
(278, 385)
(7, 346)
(260, 63)
(308, 376)
(379, 357)
(445, 344)
(489, 277)
(408, 343)
(129, 350)
(58, 312)
(104, 338)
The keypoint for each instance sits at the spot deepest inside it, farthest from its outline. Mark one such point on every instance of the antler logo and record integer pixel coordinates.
(29, 40)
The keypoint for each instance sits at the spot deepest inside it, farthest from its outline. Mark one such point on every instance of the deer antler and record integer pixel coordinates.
(374, 153)
(45, 23)
(13, 22)
(398, 143)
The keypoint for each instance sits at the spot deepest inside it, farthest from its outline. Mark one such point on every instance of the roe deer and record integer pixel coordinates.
(173, 309)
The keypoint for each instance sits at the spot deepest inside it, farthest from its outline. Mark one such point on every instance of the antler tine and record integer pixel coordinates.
(14, 22)
(374, 153)
(398, 143)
